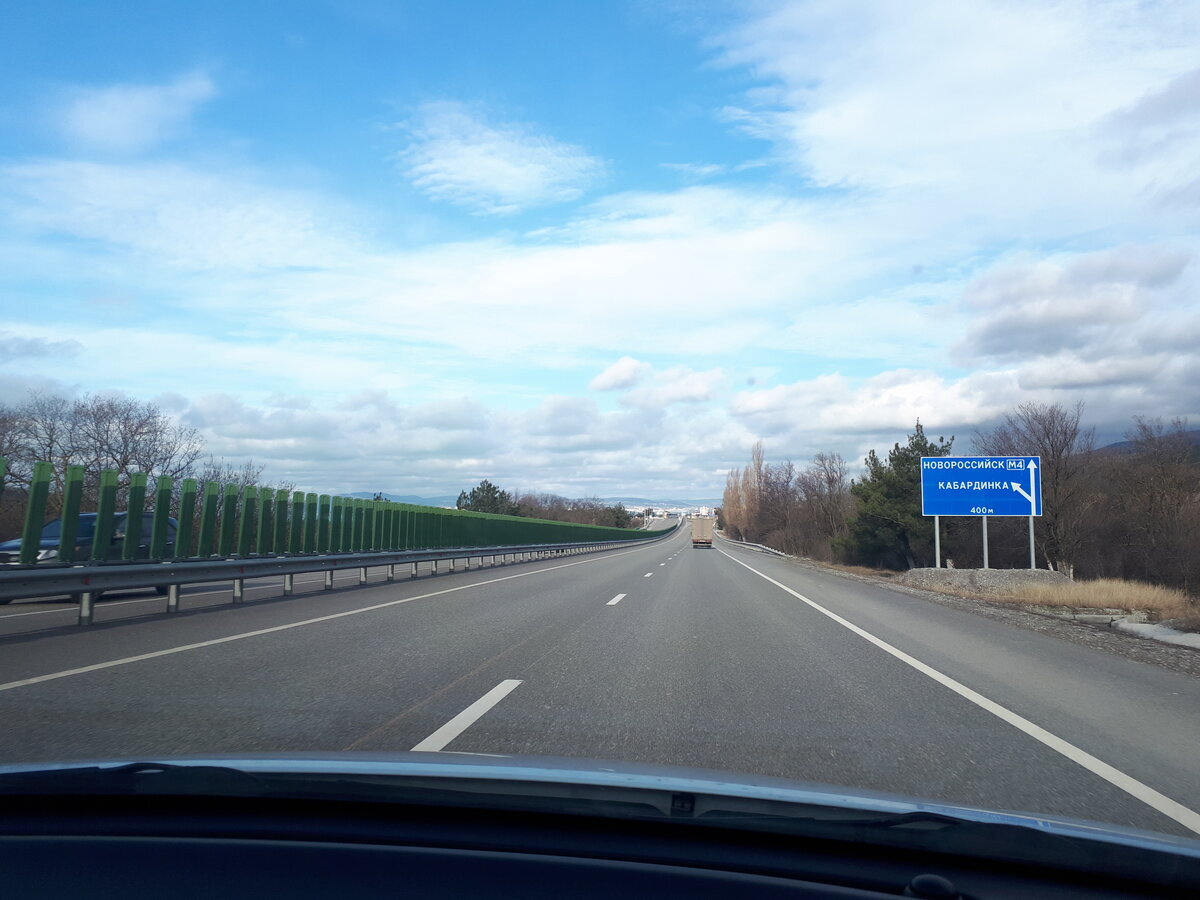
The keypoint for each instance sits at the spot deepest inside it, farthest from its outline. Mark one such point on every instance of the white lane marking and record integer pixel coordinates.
(468, 716)
(648, 574)
(155, 654)
(615, 600)
(662, 564)
(1172, 809)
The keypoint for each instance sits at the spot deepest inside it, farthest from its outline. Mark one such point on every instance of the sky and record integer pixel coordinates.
(598, 249)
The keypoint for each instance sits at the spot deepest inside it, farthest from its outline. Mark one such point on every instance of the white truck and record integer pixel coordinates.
(702, 532)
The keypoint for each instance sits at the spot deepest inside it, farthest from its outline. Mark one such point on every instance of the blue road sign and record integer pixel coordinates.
(981, 486)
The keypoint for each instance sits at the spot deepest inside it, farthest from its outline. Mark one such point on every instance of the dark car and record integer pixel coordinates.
(10, 551)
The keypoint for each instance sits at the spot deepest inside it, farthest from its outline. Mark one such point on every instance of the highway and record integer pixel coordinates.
(722, 658)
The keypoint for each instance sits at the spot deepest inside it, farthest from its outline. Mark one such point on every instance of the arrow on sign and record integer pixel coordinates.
(1032, 489)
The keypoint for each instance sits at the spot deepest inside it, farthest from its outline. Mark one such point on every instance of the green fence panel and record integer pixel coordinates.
(335, 524)
(416, 528)
(310, 523)
(229, 517)
(323, 523)
(209, 503)
(263, 534)
(35, 512)
(357, 542)
(133, 518)
(72, 500)
(106, 508)
(368, 525)
(348, 506)
(248, 520)
(377, 525)
(187, 517)
(360, 514)
(160, 524)
(296, 526)
(281, 523)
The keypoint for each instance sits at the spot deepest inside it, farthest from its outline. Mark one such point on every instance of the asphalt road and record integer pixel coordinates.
(720, 658)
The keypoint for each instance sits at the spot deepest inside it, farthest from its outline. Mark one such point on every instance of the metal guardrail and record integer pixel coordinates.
(87, 581)
(761, 548)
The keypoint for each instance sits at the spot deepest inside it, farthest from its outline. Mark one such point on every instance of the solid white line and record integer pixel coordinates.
(82, 670)
(468, 716)
(615, 600)
(1173, 809)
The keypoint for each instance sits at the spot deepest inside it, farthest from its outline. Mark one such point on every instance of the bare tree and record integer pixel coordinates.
(1056, 434)
(733, 507)
(130, 436)
(1160, 502)
(797, 511)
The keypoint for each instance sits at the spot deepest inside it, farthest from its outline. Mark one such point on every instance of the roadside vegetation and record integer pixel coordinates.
(488, 498)
(1107, 593)
(1121, 522)
(103, 432)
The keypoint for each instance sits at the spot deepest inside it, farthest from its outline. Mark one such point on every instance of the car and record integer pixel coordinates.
(448, 825)
(10, 551)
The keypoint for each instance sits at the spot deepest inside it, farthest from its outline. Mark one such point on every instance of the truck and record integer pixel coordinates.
(702, 532)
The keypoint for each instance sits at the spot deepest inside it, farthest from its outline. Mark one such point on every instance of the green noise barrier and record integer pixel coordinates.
(192, 521)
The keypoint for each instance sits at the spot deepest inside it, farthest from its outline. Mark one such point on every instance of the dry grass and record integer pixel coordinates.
(1160, 603)
(1108, 593)
(860, 570)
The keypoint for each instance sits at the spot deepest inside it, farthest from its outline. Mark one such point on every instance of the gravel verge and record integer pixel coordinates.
(1098, 636)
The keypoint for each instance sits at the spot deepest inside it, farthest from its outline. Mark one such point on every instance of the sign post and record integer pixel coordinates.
(981, 486)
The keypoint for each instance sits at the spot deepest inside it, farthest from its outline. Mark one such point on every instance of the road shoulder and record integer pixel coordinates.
(1183, 660)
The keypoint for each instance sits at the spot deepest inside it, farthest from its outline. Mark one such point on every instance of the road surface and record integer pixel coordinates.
(721, 658)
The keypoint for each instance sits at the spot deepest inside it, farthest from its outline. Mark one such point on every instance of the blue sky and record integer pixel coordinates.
(598, 248)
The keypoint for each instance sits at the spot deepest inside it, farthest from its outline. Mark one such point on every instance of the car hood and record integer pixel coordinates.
(767, 803)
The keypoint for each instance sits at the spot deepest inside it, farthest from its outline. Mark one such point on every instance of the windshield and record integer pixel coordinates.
(788, 389)
(85, 529)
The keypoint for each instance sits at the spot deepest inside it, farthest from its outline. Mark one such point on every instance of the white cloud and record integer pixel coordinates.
(925, 137)
(967, 117)
(131, 117)
(1093, 304)
(678, 384)
(176, 215)
(495, 168)
(696, 171)
(624, 373)
(17, 346)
